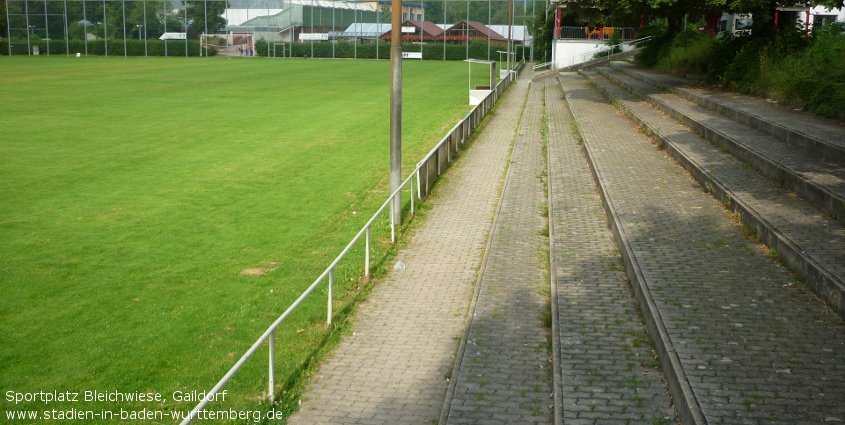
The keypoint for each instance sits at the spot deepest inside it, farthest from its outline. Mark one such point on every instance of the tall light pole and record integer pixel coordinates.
(396, 108)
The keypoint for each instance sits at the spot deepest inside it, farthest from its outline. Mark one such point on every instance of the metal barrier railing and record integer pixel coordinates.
(584, 57)
(423, 173)
(599, 33)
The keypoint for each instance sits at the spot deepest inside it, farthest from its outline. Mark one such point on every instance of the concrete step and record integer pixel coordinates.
(803, 238)
(605, 367)
(740, 340)
(545, 75)
(825, 137)
(799, 169)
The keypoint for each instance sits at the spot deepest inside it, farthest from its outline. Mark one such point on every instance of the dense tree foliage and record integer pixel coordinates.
(205, 17)
(635, 12)
(3, 22)
(543, 29)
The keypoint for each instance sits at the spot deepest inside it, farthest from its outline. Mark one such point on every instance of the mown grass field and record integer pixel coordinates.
(134, 193)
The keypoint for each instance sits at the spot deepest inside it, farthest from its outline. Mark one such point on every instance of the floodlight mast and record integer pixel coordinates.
(396, 108)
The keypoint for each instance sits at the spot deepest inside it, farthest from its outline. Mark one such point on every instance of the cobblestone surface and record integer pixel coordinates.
(802, 225)
(824, 130)
(503, 375)
(822, 183)
(608, 368)
(754, 345)
(394, 368)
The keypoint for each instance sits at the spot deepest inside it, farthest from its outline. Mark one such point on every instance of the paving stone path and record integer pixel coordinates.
(503, 372)
(394, 368)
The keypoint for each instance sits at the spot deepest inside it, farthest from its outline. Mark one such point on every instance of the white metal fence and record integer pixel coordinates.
(420, 181)
(599, 53)
(603, 33)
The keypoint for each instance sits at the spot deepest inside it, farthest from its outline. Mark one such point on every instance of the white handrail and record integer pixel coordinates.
(593, 52)
(269, 334)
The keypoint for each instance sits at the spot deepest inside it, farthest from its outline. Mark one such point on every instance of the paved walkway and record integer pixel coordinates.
(473, 304)
(395, 366)
(461, 335)
(503, 372)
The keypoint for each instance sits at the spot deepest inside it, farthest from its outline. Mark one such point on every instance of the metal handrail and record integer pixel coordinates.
(591, 53)
(270, 334)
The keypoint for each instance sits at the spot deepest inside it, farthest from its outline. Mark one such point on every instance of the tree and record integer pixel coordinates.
(384, 13)
(169, 19)
(4, 27)
(629, 12)
(144, 20)
(201, 14)
(543, 33)
(831, 4)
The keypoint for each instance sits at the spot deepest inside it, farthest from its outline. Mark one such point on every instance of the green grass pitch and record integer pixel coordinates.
(135, 192)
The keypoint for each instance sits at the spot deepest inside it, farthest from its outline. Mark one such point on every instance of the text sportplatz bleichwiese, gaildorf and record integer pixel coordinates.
(48, 397)
(89, 396)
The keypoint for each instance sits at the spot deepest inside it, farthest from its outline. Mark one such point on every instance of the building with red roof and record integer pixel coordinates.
(468, 31)
(424, 31)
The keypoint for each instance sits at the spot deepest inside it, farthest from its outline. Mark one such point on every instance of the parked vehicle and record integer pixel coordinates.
(804, 17)
(733, 24)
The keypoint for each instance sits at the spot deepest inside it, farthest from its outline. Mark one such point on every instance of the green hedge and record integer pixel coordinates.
(115, 47)
(342, 49)
(788, 66)
(348, 50)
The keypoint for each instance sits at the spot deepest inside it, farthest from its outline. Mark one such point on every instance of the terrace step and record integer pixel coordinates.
(545, 75)
(798, 168)
(826, 138)
(804, 239)
(599, 338)
(739, 341)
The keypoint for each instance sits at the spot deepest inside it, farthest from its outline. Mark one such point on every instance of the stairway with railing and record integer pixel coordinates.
(593, 57)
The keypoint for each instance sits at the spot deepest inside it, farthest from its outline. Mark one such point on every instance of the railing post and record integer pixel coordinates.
(427, 177)
(439, 153)
(331, 286)
(367, 253)
(419, 184)
(392, 227)
(272, 372)
(412, 196)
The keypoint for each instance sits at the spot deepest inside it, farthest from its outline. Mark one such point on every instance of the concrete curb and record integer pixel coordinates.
(557, 374)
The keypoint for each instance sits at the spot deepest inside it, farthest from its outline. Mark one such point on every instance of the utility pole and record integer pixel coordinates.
(510, 32)
(396, 108)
